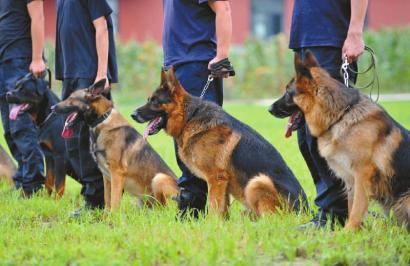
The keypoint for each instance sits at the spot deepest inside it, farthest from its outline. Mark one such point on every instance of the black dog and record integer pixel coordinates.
(37, 101)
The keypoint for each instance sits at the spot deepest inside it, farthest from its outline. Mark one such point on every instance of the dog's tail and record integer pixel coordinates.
(261, 195)
(164, 187)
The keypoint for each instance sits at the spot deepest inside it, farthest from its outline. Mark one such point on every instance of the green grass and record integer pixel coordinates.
(39, 231)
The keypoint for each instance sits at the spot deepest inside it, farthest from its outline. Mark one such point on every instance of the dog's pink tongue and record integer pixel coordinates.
(148, 129)
(291, 120)
(67, 131)
(16, 109)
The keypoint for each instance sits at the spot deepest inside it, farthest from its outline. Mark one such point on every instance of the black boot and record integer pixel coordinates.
(190, 204)
(321, 219)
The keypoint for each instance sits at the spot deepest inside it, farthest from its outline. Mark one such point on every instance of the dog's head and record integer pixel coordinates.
(86, 104)
(26, 96)
(299, 97)
(166, 99)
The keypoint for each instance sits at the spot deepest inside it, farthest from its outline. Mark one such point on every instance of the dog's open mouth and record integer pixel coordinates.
(293, 123)
(153, 127)
(68, 132)
(18, 109)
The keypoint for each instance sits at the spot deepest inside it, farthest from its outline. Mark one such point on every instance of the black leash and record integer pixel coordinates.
(375, 78)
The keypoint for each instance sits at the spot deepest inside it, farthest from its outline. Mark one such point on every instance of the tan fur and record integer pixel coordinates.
(163, 187)
(7, 167)
(353, 140)
(133, 166)
(261, 195)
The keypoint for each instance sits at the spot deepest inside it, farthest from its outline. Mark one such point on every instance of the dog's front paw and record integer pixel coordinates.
(352, 226)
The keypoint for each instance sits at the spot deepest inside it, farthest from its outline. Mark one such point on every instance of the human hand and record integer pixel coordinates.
(37, 67)
(215, 60)
(221, 68)
(353, 46)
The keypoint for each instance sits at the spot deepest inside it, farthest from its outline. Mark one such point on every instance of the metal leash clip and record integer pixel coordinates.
(208, 82)
(345, 67)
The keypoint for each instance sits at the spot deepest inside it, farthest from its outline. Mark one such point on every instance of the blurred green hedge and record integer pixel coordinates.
(263, 67)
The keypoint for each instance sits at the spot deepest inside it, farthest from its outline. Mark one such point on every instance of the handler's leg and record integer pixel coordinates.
(193, 77)
(21, 134)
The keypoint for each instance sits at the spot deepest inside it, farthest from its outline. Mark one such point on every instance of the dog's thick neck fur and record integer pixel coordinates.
(335, 101)
(197, 109)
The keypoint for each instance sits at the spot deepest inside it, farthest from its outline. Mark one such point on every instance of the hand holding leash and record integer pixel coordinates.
(222, 69)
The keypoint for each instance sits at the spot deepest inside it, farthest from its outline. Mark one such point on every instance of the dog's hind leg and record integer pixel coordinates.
(164, 187)
(402, 210)
(218, 198)
(261, 195)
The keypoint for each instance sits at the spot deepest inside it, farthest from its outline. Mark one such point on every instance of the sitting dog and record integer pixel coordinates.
(125, 159)
(37, 103)
(230, 156)
(362, 144)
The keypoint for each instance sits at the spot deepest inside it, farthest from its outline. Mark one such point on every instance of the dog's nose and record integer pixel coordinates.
(134, 115)
(271, 109)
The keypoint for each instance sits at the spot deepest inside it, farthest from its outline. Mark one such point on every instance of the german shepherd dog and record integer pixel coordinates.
(38, 104)
(125, 159)
(230, 156)
(362, 144)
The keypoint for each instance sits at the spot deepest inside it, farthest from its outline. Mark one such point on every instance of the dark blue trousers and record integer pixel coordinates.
(330, 196)
(21, 134)
(78, 148)
(193, 77)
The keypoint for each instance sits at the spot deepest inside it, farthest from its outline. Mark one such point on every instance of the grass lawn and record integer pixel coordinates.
(39, 231)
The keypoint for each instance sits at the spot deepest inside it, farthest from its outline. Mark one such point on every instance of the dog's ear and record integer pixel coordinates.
(310, 60)
(98, 87)
(172, 82)
(300, 68)
(163, 76)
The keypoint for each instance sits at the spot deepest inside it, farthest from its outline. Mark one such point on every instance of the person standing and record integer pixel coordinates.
(196, 35)
(85, 54)
(21, 52)
(332, 30)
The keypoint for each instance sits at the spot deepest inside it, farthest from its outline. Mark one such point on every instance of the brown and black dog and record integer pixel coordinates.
(362, 144)
(125, 159)
(230, 156)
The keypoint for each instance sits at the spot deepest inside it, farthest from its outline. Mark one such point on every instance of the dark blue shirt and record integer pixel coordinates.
(76, 52)
(15, 29)
(319, 23)
(189, 32)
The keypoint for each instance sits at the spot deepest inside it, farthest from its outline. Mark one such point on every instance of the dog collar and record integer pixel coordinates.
(100, 119)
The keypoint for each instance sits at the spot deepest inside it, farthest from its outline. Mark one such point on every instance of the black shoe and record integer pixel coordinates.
(322, 219)
(89, 206)
(190, 204)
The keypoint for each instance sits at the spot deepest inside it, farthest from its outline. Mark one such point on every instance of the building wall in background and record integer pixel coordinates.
(141, 20)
